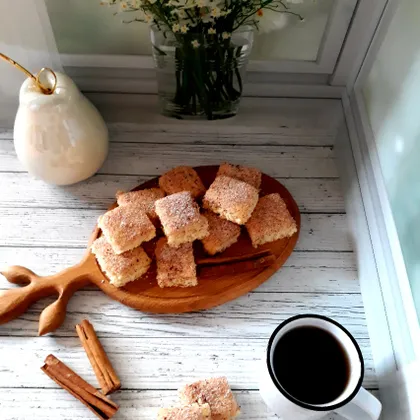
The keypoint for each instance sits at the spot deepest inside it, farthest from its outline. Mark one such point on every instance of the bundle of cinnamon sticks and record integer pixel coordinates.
(97, 402)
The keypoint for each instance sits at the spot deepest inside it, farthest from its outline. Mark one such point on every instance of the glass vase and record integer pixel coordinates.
(200, 76)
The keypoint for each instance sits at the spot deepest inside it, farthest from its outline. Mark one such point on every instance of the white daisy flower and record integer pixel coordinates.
(207, 19)
(226, 35)
(195, 43)
(184, 29)
(176, 27)
(212, 31)
(202, 3)
(152, 1)
(136, 4)
(215, 12)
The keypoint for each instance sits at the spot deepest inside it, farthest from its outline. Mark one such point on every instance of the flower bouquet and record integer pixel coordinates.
(201, 48)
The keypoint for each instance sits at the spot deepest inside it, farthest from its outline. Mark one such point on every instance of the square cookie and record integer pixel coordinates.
(222, 233)
(270, 221)
(175, 266)
(187, 412)
(181, 219)
(182, 178)
(120, 268)
(143, 199)
(232, 199)
(126, 228)
(251, 176)
(216, 392)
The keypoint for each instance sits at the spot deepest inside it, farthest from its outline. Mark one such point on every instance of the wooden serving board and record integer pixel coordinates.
(144, 294)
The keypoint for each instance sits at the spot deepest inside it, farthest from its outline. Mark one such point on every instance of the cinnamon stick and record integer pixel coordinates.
(237, 267)
(236, 258)
(62, 375)
(105, 373)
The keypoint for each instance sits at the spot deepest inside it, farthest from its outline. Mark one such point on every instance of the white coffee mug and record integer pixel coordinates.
(354, 403)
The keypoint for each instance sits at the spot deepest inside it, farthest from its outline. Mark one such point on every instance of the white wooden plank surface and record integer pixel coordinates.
(282, 116)
(39, 227)
(54, 404)
(46, 228)
(152, 363)
(154, 159)
(288, 279)
(46, 261)
(312, 195)
(255, 315)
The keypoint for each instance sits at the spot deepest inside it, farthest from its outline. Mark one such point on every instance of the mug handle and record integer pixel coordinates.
(364, 406)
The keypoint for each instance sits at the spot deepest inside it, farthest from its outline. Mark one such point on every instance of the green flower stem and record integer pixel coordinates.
(207, 78)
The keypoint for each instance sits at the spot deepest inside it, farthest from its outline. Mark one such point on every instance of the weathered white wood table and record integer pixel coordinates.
(46, 228)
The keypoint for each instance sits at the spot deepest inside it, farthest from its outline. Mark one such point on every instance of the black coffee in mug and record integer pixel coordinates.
(311, 365)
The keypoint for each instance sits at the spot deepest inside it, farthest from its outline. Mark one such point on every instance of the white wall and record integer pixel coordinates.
(26, 37)
(392, 97)
(86, 27)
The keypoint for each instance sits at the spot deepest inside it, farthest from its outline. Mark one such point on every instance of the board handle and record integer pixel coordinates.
(14, 302)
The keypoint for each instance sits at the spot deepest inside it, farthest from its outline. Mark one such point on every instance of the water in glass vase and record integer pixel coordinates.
(200, 77)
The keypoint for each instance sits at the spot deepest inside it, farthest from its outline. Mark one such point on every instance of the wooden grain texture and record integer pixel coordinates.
(54, 404)
(256, 315)
(154, 159)
(287, 279)
(283, 135)
(216, 286)
(45, 261)
(290, 139)
(152, 363)
(281, 116)
(50, 227)
(15, 301)
(312, 195)
(263, 137)
(282, 120)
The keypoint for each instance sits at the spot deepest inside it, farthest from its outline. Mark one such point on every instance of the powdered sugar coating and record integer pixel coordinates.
(187, 412)
(175, 266)
(270, 221)
(214, 391)
(222, 233)
(143, 199)
(182, 178)
(120, 268)
(232, 199)
(181, 219)
(251, 176)
(126, 228)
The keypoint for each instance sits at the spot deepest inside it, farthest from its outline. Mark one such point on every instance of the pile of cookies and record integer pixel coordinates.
(206, 399)
(231, 201)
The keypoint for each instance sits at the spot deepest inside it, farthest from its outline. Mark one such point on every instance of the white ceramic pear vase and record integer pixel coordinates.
(60, 138)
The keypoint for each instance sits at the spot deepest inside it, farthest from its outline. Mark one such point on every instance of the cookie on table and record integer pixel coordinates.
(270, 221)
(222, 233)
(126, 228)
(182, 178)
(181, 219)
(143, 199)
(175, 266)
(216, 392)
(120, 268)
(232, 199)
(251, 176)
(187, 412)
